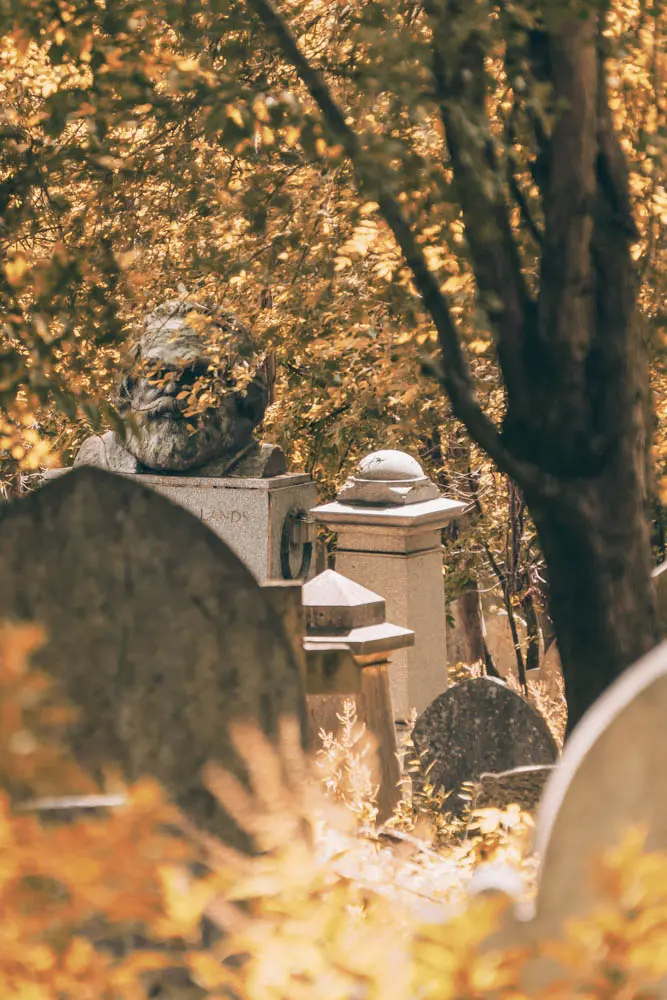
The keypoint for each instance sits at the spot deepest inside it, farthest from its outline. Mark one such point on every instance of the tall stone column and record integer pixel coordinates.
(389, 517)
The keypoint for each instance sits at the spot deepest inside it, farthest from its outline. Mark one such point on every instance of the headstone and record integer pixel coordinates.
(479, 726)
(157, 631)
(608, 781)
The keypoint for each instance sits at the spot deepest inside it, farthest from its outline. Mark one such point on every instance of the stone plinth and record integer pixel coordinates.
(396, 552)
(264, 521)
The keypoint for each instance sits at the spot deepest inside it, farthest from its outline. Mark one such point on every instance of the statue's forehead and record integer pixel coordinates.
(177, 333)
(170, 341)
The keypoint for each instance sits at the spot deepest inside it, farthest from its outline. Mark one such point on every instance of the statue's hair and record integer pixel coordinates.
(258, 391)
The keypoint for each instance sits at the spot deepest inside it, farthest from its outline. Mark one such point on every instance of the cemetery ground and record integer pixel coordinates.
(102, 900)
(109, 901)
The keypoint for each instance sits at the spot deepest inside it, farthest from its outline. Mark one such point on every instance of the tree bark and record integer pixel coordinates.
(596, 545)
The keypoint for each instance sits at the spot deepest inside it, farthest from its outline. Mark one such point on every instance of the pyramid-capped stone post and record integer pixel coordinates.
(389, 518)
(348, 644)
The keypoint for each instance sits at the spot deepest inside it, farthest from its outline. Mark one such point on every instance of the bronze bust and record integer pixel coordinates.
(191, 400)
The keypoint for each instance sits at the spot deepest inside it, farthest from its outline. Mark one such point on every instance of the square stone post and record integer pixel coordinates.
(394, 548)
(348, 644)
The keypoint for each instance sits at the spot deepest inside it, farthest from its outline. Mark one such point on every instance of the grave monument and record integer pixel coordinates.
(389, 518)
(349, 645)
(608, 783)
(191, 399)
(478, 729)
(157, 632)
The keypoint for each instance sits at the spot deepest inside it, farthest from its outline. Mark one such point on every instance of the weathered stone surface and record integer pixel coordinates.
(250, 515)
(396, 551)
(186, 345)
(522, 786)
(388, 477)
(610, 779)
(156, 630)
(480, 726)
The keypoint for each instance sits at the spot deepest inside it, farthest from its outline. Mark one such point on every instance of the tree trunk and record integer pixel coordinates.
(471, 618)
(596, 545)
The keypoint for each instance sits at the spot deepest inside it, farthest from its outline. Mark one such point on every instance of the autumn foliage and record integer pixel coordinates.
(106, 901)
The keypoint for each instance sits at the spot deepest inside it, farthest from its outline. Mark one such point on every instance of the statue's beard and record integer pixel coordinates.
(162, 439)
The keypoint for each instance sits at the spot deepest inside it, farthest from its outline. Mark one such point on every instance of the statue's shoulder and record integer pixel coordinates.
(106, 452)
(256, 461)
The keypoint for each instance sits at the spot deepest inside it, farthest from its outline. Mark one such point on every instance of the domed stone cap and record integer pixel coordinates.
(387, 478)
(390, 464)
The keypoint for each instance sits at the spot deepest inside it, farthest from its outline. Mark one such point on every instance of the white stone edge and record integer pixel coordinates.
(597, 719)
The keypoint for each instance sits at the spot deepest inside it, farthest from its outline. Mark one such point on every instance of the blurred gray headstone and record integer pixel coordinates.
(609, 779)
(157, 631)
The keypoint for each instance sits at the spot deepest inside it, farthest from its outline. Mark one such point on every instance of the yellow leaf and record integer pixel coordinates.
(125, 259)
(187, 65)
(207, 971)
(78, 956)
(292, 134)
(235, 115)
(16, 268)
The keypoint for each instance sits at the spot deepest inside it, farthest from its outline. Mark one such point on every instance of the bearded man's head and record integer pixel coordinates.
(193, 392)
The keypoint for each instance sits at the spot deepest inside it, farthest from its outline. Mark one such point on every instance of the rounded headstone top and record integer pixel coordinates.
(479, 726)
(389, 464)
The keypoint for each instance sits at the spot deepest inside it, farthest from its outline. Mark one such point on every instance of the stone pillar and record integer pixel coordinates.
(389, 518)
(348, 644)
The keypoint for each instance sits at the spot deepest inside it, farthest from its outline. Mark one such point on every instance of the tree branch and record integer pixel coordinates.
(456, 377)
(522, 203)
(513, 181)
(460, 73)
